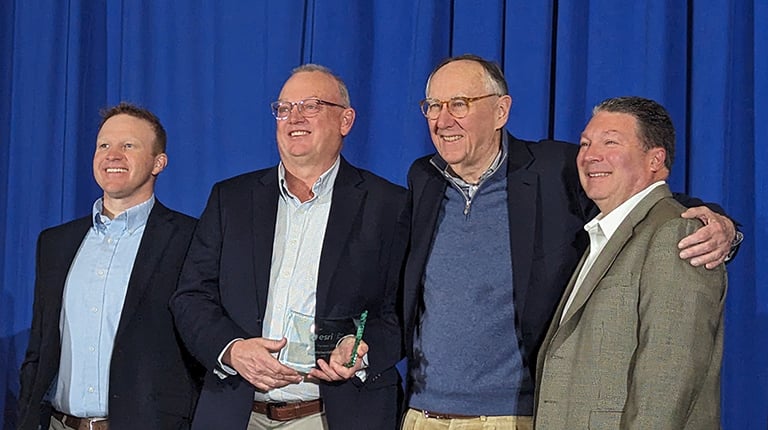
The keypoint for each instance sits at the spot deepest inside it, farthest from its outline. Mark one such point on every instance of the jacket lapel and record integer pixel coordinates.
(154, 241)
(346, 203)
(615, 244)
(522, 194)
(554, 325)
(426, 208)
(67, 251)
(262, 210)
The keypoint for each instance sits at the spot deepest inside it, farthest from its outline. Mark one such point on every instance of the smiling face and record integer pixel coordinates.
(313, 142)
(613, 164)
(125, 164)
(467, 144)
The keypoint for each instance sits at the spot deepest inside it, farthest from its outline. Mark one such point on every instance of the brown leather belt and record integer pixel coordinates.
(288, 411)
(78, 423)
(442, 416)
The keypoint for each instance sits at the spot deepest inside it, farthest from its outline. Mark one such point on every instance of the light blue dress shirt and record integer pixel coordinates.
(299, 234)
(91, 307)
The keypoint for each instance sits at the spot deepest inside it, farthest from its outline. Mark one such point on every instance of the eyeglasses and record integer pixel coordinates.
(307, 108)
(458, 106)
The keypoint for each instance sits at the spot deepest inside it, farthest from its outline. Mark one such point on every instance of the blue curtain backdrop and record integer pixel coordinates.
(209, 69)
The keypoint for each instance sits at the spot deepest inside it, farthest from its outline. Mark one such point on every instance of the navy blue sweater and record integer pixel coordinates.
(468, 273)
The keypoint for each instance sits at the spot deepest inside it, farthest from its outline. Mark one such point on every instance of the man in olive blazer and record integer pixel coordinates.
(637, 338)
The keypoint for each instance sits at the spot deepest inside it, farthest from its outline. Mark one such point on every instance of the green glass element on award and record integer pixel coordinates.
(358, 338)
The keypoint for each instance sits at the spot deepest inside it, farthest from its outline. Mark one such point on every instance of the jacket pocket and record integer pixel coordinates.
(601, 420)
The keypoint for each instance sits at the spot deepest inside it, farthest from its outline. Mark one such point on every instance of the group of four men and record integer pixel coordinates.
(464, 273)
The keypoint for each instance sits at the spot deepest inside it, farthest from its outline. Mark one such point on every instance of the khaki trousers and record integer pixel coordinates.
(415, 420)
(312, 422)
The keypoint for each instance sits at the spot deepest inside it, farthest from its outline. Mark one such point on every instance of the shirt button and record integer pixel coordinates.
(109, 240)
(100, 272)
(90, 389)
(90, 348)
(94, 309)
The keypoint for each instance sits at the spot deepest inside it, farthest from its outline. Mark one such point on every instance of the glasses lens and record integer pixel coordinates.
(458, 107)
(309, 107)
(281, 110)
(431, 108)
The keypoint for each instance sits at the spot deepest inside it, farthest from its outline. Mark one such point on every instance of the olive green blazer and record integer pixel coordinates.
(641, 345)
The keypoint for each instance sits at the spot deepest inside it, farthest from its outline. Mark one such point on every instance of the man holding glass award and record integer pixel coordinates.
(288, 293)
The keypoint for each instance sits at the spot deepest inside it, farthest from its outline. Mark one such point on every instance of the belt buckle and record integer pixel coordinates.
(93, 423)
(428, 415)
(273, 407)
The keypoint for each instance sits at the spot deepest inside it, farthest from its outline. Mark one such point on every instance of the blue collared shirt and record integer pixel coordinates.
(92, 303)
(299, 234)
(465, 188)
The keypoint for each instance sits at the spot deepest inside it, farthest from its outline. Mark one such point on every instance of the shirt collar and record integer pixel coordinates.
(442, 166)
(322, 186)
(132, 218)
(610, 223)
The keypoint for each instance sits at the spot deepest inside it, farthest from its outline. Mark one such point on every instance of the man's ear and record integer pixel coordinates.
(161, 160)
(658, 157)
(503, 105)
(347, 119)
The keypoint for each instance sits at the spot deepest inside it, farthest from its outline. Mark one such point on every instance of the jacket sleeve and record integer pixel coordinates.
(29, 366)
(679, 334)
(202, 321)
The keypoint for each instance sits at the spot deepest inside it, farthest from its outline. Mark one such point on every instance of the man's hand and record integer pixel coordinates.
(710, 244)
(253, 360)
(334, 369)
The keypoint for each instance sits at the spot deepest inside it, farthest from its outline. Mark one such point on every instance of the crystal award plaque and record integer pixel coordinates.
(311, 338)
(299, 352)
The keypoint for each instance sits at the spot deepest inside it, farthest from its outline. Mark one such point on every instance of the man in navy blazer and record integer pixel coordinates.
(497, 230)
(311, 237)
(103, 350)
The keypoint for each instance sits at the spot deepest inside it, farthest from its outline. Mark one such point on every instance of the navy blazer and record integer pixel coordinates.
(224, 284)
(547, 213)
(153, 382)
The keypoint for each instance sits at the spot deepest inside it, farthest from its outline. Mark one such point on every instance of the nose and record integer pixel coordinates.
(114, 152)
(590, 153)
(445, 119)
(297, 117)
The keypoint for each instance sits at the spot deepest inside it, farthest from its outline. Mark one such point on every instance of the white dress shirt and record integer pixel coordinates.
(600, 230)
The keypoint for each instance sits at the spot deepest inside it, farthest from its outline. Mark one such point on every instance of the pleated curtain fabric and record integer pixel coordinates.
(209, 69)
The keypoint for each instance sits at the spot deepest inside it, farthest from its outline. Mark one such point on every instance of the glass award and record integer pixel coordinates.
(330, 331)
(312, 338)
(299, 352)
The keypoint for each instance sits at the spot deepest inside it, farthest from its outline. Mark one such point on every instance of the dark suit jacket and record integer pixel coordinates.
(152, 381)
(224, 283)
(547, 213)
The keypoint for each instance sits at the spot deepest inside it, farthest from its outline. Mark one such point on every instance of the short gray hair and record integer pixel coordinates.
(494, 77)
(309, 67)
